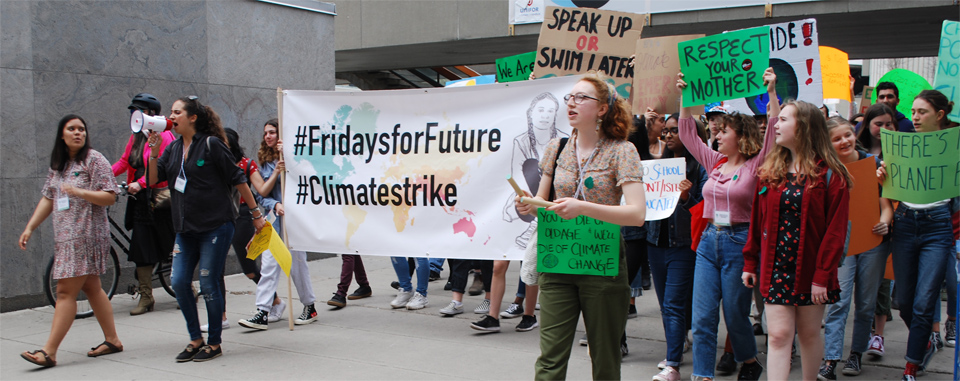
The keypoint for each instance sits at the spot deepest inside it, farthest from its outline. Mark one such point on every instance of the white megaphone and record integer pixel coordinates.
(139, 122)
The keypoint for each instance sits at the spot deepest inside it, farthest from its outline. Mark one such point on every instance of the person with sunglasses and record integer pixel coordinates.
(148, 212)
(204, 175)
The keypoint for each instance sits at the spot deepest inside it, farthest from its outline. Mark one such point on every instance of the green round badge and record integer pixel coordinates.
(550, 261)
(588, 182)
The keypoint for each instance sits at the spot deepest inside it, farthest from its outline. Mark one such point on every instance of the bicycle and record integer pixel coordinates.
(111, 278)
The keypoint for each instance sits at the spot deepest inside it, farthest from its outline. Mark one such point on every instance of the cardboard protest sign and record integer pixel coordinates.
(865, 99)
(515, 68)
(835, 69)
(577, 40)
(865, 200)
(908, 83)
(922, 167)
(724, 66)
(655, 74)
(581, 246)
(795, 58)
(267, 239)
(947, 79)
(661, 181)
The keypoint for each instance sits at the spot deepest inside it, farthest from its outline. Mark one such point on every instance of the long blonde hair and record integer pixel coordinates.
(813, 143)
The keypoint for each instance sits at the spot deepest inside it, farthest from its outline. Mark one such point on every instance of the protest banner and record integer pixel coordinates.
(581, 246)
(268, 240)
(835, 69)
(655, 74)
(922, 167)
(865, 201)
(724, 66)
(947, 78)
(515, 68)
(577, 40)
(661, 180)
(416, 173)
(795, 58)
(909, 85)
(865, 99)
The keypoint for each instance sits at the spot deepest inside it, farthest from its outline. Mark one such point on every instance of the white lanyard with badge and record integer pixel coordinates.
(581, 182)
(181, 184)
(63, 201)
(722, 217)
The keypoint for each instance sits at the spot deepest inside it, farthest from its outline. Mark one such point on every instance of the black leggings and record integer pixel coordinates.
(460, 268)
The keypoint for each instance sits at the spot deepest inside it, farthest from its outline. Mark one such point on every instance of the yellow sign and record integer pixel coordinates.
(835, 70)
(267, 239)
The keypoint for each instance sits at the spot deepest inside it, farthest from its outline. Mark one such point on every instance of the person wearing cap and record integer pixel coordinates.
(148, 214)
(714, 120)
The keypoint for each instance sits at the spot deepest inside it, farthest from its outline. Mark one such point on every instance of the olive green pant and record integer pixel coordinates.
(603, 301)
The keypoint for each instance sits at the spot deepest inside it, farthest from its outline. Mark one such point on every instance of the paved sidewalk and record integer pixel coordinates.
(365, 340)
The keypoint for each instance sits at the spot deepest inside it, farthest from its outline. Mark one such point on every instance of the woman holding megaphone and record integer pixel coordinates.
(204, 174)
(148, 214)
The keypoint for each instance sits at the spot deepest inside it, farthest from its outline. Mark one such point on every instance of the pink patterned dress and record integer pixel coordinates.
(82, 232)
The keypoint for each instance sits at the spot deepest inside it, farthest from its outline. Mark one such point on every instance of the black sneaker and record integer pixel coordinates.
(189, 353)
(624, 350)
(750, 371)
(434, 275)
(360, 293)
(727, 365)
(632, 312)
(395, 285)
(337, 301)
(852, 367)
(488, 324)
(309, 315)
(258, 321)
(828, 371)
(950, 333)
(446, 287)
(207, 353)
(527, 323)
(757, 329)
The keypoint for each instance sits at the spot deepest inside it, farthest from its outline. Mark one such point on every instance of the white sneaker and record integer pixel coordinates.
(276, 312)
(223, 325)
(403, 297)
(452, 309)
(417, 302)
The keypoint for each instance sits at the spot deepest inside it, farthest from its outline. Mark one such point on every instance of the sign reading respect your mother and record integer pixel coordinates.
(724, 66)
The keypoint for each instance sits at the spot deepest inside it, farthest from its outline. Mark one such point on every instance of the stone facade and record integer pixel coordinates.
(91, 57)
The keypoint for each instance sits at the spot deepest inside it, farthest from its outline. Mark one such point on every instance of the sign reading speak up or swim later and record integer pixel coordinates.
(724, 66)
(922, 167)
(578, 40)
(581, 246)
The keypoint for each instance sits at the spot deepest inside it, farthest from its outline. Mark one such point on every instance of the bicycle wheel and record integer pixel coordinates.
(108, 280)
(162, 272)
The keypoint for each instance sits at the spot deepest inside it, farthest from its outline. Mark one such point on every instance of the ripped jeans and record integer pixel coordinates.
(209, 250)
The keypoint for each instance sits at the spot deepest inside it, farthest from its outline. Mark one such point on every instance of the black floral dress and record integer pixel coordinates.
(782, 289)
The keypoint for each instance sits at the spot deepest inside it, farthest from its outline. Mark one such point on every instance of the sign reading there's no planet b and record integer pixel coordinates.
(922, 167)
(724, 66)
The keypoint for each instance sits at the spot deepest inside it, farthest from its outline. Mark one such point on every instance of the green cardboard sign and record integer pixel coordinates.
(908, 83)
(724, 66)
(947, 79)
(581, 246)
(515, 68)
(922, 167)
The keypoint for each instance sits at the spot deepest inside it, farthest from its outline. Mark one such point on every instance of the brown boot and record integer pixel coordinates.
(145, 275)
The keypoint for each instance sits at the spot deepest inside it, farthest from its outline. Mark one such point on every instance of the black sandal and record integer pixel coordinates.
(47, 361)
(110, 349)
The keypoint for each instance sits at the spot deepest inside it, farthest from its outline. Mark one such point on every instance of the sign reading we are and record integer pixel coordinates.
(922, 167)
(577, 40)
(581, 246)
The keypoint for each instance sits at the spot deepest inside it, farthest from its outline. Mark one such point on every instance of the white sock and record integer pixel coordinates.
(457, 303)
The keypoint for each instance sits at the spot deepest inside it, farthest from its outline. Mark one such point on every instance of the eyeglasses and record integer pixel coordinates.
(670, 130)
(578, 98)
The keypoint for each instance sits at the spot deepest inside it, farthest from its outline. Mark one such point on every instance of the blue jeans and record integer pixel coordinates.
(951, 286)
(672, 271)
(716, 279)
(209, 250)
(402, 268)
(864, 272)
(922, 243)
(436, 264)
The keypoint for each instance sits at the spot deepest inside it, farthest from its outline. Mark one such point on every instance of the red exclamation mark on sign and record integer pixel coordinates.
(810, 70)
(807, 34)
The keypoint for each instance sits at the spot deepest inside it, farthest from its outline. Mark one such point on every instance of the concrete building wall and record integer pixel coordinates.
(91, 57)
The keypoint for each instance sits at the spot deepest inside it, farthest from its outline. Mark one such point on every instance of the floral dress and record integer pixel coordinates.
(81, 232)
(782, 288)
